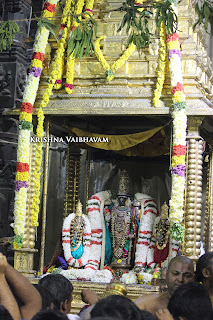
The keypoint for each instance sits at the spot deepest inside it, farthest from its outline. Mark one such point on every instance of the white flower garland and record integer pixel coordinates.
(95, 212)
(77, 263)
(179, 127)
(20, 211)
(29, 97)
(78, 274)
(100, 276)
(144, 255)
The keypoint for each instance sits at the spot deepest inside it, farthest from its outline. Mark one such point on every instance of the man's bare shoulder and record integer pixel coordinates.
(145, 300)
(153, 302)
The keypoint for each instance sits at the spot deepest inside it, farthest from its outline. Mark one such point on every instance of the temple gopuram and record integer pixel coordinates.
(106, 131)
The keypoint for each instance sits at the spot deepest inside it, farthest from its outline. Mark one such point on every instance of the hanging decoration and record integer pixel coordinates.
(40, 116)
(161, 66)
(25, 126)
(178, 111)
(110, 71)
(80, 39)
(171, 47)
(70, 59)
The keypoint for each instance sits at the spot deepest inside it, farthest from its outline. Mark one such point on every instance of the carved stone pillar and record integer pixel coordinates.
(23, 258)
(208, 229)
(13, 63)
(193, 191)
(72, 180)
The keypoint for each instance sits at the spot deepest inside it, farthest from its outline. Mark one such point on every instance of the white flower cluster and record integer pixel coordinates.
(177, 193)
(20, 211)
(31, 89)
(23, 143)
(175, 67)
(99, 276)
(129, 278)
(147, 277)
(41, 40)
(179, 127)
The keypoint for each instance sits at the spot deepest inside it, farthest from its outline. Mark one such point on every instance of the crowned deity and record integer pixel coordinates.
(123, 234)
(76, 235)
(162, 235)
(121, 224)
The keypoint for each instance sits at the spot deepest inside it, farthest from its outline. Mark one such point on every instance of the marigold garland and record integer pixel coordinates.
(88, 8)
(70, 61)
(179, 136)
(40, 115)
(65, 23)
(110, 71)
(25, 126)
(161, 66)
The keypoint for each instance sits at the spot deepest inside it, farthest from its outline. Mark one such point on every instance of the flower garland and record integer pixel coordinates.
(65, 23)
(94, 215)
(40, 116)
(70, 59)
(161, 66)
(25, 125)
(110, 71)
(100, 276)
(179, 136)
(88, 8)
(77, 263)
(144, 255)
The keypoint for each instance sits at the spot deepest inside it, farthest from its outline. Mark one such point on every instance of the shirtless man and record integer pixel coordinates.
(204, 272)
(180, 271)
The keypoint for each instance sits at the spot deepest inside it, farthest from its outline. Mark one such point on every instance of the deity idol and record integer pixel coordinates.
(162, 236)
(130, 224)
(121, 225)
(76, 236)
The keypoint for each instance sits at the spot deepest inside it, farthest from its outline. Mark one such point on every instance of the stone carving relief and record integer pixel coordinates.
(20, 82)
(5, 80)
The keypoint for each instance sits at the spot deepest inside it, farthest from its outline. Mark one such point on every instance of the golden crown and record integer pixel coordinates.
(123, 187)
(164, 211)
(79, 206)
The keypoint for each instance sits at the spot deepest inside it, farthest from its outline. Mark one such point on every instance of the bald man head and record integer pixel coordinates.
(180, 271)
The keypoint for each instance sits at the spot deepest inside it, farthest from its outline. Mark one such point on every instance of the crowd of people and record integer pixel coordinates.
(184, 295)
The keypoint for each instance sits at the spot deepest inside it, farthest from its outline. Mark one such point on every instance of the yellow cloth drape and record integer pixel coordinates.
(116, 142)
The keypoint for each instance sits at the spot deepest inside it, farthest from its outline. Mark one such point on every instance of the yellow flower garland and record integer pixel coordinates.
(89, 5)
(139, 1)
(22, 176)
(36, 63)
(70, 72)
(70, 60)
(65, 21)
(117, 64)
(178, 97)
(25, 116)
(40, 115)
(161, 66)
(178, 160)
